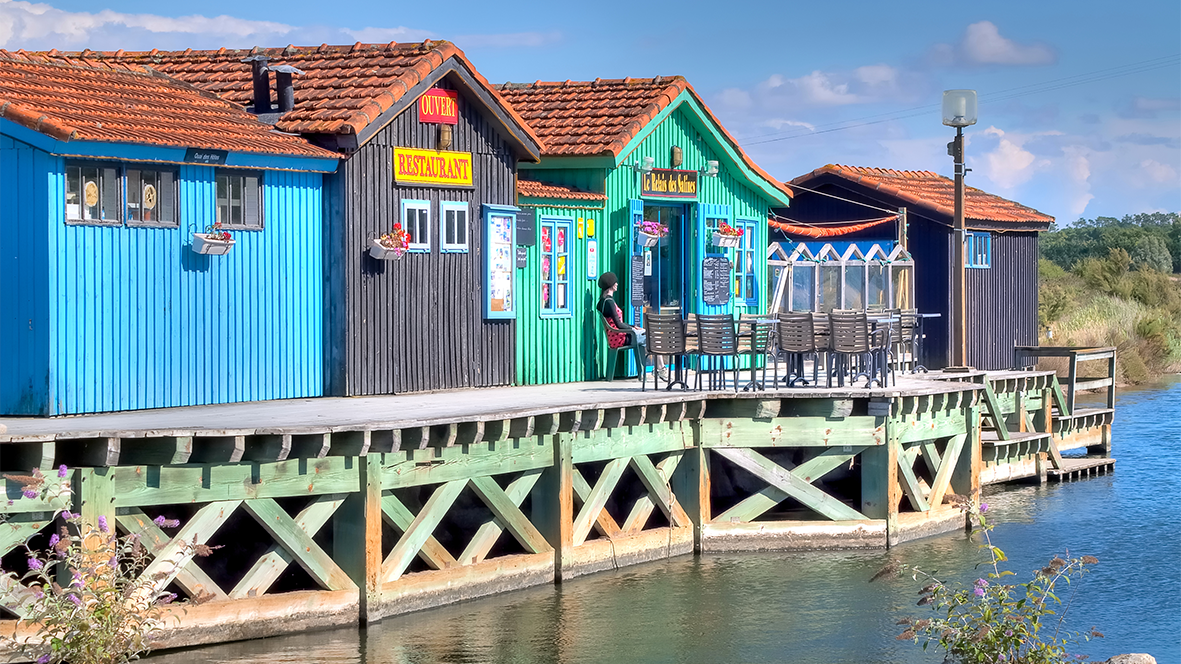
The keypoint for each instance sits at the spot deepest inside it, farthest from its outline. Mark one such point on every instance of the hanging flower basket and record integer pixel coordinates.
(384, 253)
(722, 240)
(390, 246)
(647, 239)
(213, 242)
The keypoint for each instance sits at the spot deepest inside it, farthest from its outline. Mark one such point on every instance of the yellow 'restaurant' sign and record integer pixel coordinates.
(432, 167)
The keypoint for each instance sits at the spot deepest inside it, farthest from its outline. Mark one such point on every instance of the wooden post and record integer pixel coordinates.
(880, 491)
(356, 537)
(690, 483)
(965, 479)
(553, 501)
(94, 497)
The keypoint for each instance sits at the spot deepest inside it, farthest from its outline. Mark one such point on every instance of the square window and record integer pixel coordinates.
(454, 227)
(93, 194)
(151, 197)
(239, 200)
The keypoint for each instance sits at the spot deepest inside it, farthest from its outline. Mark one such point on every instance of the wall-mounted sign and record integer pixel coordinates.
(636, 282)
(414, 166)
(207, 157)
(522, 257)
(715, 280)
(439, 106)
(669, 183)
(527, 227)
(592, 259)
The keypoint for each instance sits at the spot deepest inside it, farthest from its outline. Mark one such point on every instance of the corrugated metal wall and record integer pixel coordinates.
(417, 323)
(24, 294)
(1002, 301)
(140, 321)
(567, 348)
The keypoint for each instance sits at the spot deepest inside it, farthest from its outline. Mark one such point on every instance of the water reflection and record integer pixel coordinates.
(814, 607)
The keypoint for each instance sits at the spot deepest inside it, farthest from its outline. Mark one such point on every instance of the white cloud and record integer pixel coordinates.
(1008, 165)
(819, 89)
(1158, 172)
(40, 26)
(983, 44)
(736, 98)
(780, 123)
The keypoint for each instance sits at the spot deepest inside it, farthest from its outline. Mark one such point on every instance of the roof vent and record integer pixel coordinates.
(284, 86)
(262, 83)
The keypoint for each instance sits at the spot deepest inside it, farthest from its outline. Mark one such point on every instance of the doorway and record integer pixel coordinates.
(664, 288)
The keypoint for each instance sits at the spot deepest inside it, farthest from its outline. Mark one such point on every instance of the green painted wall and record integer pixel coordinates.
(554, 350)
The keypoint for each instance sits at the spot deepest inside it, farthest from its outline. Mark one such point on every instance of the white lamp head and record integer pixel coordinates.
(711, 169)
(959, 108)
(645, 164)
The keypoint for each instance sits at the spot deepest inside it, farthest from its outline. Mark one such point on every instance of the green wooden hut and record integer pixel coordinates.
(617, 153)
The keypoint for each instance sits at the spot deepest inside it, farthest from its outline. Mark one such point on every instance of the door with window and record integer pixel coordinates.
(664, 282)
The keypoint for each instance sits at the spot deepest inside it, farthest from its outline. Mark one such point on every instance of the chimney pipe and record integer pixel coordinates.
(284, 86)
(262, 83)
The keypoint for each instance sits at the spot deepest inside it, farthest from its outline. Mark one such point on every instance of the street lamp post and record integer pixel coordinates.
(959, 111)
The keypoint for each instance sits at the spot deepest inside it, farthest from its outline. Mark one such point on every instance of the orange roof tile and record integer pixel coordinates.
(536, 189)
(342, 88)
(600, 117)
(81, 103)
(934, 192)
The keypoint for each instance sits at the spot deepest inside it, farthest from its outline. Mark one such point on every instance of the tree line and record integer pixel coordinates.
(1151, 240)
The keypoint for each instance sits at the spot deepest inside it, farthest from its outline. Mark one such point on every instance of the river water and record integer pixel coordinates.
(818, 607)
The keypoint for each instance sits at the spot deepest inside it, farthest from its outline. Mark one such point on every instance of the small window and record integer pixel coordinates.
(92, 194)
(978, 250)
(745, 258)
(555, 266)
(416, 219)
(239, 200)
(151, 197)
(453, 228)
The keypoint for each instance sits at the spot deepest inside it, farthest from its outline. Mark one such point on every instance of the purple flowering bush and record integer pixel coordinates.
(991, 621)
(85, 593)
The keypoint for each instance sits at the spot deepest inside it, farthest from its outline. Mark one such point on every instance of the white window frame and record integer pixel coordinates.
(419, 242)
(454, 247)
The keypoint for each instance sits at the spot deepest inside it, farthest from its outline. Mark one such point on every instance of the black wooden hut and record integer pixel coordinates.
(428, 144)
(853, 204)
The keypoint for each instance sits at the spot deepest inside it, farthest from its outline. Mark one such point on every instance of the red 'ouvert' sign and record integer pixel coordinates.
(440, 106)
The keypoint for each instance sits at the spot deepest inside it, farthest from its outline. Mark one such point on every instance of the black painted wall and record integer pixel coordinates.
(417, 323)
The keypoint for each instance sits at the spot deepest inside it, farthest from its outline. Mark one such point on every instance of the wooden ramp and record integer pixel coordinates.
(1079, 468)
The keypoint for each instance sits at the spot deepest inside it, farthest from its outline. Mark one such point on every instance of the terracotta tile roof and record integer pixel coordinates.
(935, 192)
(600, 117)
(81, 103)
(342, 89)
(536, 189)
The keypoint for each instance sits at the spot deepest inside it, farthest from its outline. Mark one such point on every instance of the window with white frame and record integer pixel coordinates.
(555, 266)
(745, 260)
(416, 220)
(93, 194)
(151, 197)
(978, 250)
(239, 200)
(453, 227)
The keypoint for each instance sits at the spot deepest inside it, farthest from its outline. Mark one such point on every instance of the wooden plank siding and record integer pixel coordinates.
(560, 349)
(1002, 301)
(129, 317)
(24, 294)
(417, 323)
(140, 321)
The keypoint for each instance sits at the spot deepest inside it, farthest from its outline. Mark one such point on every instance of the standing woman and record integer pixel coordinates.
(608, 284)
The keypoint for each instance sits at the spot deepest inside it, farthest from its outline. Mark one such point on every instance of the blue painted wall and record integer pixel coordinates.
(129, 318)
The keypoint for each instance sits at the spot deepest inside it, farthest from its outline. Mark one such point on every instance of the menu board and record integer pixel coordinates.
(527, 227)
(500, 260)
(635, 288)
(715, 280)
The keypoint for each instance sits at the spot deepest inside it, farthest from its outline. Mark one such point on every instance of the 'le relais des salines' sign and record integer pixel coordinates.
(669, 183)
(436, 167)
(439, 106)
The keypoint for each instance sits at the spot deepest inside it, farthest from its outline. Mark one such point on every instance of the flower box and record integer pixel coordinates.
(722, 240)
(648, 239)
(206, 245)
(384, 253)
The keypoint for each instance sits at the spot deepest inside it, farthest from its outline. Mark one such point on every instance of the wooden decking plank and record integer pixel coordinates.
(604, 523)
(271, 565)
(770, 472)
(308, 555)
(510, 515)
(395, 513)
(420, 529)
(951, 456)
(597, 498)
(487, 534)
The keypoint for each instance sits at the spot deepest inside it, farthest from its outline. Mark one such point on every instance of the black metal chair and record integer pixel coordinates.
(852, 351)
(822, 332)
(716, 343)
(796, 342)
(666, 337)
(910, 337)
(757, 340)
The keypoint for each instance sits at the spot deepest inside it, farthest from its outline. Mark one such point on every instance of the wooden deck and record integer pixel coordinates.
(1083, 467)
(332, 414)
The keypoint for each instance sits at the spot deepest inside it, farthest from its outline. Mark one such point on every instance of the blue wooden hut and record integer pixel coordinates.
(108, 182)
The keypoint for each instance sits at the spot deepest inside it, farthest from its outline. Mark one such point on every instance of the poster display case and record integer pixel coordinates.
(500, 286)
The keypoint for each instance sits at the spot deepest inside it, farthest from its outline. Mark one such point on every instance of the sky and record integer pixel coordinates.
(1080, 102)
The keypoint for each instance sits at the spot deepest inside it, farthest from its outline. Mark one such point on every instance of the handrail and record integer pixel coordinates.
(1075, 354)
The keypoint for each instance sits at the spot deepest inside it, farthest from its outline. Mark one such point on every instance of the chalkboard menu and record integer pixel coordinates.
(636, 285)
(527, 227)
(715, 280)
